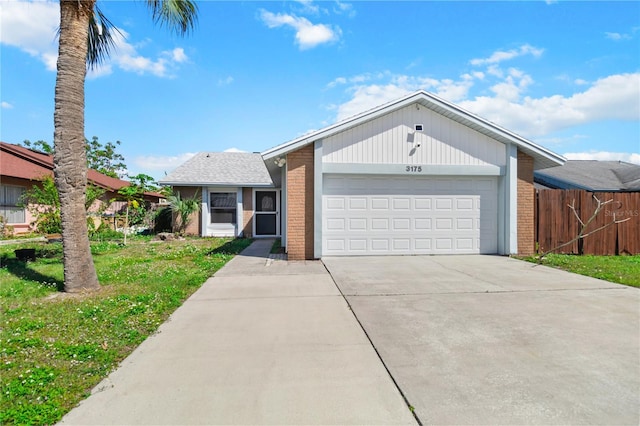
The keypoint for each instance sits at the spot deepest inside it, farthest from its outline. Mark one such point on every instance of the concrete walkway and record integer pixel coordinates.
(262, 342)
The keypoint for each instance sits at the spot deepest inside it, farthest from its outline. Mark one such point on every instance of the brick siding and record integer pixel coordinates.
(300, 204)
(247, 212)
(196, 218)
(526, 205)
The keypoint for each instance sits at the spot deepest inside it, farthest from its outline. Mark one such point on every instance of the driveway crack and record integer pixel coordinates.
(483, 292)
(404, 397)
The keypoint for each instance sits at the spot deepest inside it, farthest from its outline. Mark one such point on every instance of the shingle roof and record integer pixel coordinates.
(221, 168)
(592, 175)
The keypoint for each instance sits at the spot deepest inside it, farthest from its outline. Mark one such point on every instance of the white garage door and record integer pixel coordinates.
(369, 215)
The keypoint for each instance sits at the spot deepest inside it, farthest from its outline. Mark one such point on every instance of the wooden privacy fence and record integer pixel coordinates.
(556, 223)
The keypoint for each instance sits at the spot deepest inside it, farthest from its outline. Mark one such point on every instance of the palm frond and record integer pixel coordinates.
(178, 15)
(100, 38)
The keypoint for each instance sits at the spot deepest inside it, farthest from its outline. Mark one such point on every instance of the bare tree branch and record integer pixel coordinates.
(584, 225)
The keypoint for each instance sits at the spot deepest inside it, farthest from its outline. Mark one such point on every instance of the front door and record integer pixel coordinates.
(267, 216)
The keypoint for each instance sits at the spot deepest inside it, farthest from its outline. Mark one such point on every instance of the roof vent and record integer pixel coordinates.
(418, 127)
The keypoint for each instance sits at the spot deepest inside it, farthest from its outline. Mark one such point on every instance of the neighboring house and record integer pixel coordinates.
(229, 185)
(21, 168)
(415, 176)
(591, 175)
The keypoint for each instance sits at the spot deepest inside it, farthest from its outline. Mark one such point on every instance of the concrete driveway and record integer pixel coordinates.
(494, 340)
(261, 342)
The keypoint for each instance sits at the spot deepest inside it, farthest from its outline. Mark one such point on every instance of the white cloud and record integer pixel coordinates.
(559, 141)
(6, 105)
(308, 35)
(617, 36)
(501, 55)
(164, 163)
(225, 81)
(622, 36)
(341, 8)
(178, 55)
(367, 96)
(604, 156)
(233, 150)
(358, 79)
(337, 81)
(127, 58)
(308, 7)
(32, 27)
(616, 97)
(512, 86)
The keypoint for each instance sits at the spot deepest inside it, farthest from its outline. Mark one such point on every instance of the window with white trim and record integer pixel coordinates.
(9, 199)
(223, 207)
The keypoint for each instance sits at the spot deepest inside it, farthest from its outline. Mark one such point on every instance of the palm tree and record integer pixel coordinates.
(183, 207)
(85, 39)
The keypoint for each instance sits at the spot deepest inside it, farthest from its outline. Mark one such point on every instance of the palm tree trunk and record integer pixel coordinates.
(70, 158)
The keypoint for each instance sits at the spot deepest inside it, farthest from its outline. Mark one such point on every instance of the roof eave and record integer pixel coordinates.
(220, 184)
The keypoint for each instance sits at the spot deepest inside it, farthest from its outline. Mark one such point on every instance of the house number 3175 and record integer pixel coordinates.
(413, 169)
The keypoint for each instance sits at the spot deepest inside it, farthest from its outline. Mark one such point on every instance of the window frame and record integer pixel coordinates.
(13, 208)
(224, 209)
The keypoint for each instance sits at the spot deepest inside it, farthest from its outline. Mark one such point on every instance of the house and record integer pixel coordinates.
(229, 185)
(591, 175)
(418, 175)
(21, 168)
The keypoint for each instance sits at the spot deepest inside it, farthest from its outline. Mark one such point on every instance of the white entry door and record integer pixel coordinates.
(267, 213)
(389, 215)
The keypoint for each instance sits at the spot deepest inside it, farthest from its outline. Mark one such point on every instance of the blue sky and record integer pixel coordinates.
(256, 74)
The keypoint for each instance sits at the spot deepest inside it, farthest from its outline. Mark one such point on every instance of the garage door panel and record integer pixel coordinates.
(418, 215)
(443, 204)
(379, 203)
(464, 244)
(357, 203)
(335, 203)
(379, 224)
(380, 244)
(359, 224)
(422, 224)
(465, 203)
(401, 244)
(336, 224)
(334, 245)
(401, 224)
(358, 245)
(444, 224)
(422, 244)
(465, 224)
(421, 203)
(401, 203)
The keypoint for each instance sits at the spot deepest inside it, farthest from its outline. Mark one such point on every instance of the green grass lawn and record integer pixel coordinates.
(56, 347)
(617, 269)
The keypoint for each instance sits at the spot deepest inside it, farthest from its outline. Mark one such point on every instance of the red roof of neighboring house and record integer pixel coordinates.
(20, 162)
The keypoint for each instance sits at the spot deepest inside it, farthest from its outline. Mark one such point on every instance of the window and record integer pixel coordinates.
(266, 201)
(223, 207)
(9, 198)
